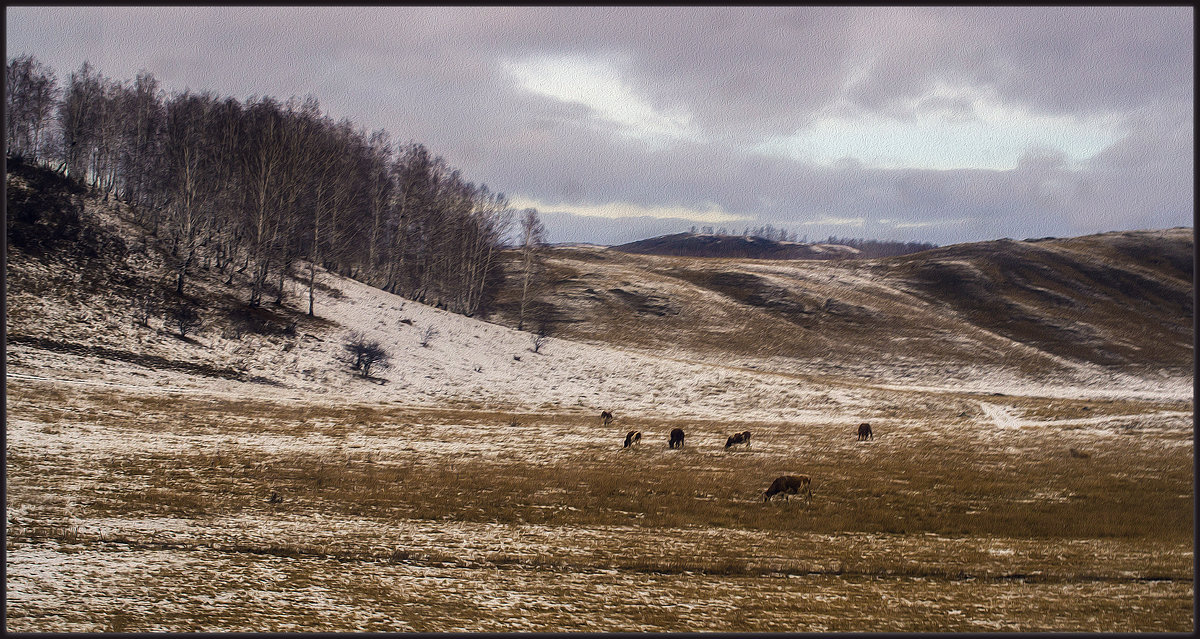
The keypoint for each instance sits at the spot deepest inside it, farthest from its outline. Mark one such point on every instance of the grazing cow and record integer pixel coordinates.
(632, 438)
(864, 432)
(738, 438)
(676, 438)
(790, 485)
(607, 417)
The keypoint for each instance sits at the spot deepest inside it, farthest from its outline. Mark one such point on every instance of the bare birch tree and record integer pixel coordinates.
(533, 237)
(30, 95)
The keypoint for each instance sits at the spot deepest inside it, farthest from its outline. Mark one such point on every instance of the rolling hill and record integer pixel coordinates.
(1100, 312)
(1115, 302)
(707, 245)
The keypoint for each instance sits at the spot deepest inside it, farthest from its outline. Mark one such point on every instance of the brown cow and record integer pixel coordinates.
(607, 417)
(632, 437)
(676, 438)
(738, 438)
(790, 484)
(864, 432)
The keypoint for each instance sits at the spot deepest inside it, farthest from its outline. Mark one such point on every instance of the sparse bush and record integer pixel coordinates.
(184, 316)
(367, 354)
(539, 340)
(427, 335)
(144, 307)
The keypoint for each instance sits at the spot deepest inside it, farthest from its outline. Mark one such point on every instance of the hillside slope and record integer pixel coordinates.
(1117, 299)
(651, 334)
(734, 246)
(1113, 302)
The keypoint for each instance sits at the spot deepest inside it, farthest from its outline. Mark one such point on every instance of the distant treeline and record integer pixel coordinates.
(254, 187)
(866, 248)
(880, 248)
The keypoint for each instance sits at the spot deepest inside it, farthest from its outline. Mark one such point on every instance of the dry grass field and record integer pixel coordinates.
(1031, 470)
(149, 511)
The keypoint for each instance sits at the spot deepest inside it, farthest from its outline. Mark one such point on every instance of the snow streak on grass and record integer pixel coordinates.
(259, 484)
(150, 511)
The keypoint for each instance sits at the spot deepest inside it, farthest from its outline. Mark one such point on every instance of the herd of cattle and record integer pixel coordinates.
(783, 485)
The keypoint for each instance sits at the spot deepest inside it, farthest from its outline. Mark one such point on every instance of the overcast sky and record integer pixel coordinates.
(940, 124)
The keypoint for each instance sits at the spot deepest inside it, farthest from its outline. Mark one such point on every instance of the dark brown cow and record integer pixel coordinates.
(607, 417)
(738, 438)
(676, 438)
(864, 432)
(632, 437)
(790, 485)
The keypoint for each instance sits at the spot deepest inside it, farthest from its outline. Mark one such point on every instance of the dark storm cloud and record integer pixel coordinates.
(743, 75)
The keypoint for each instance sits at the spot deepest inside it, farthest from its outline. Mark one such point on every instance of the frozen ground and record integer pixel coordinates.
(474, 362)
(138, 497)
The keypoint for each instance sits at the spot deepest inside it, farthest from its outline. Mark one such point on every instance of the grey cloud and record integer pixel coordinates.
(1057, 59)
(434, 74)
(567, 228)
(1143, 181)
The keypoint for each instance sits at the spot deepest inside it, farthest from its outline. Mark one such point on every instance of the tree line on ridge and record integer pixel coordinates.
(258, 187)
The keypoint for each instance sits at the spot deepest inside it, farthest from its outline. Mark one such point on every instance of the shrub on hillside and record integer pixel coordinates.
(145, 306)
(183, 315)
(366, 354)
(539, 340)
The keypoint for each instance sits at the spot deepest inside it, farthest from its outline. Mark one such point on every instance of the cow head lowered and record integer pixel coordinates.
(790, 485)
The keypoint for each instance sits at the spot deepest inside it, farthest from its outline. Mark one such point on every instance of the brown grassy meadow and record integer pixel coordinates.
(400, 518)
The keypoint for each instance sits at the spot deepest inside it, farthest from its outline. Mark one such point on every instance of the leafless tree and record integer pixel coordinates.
(539, 340)
(30, 95)
(145, 116)
(144, 307)
(427, 335)
(367, 354)
(184, 316)
(78, 117)
(379, 191)
(264, 155)
(412, 177)
(108, 143)
(188, 163)
(328, 165)
(533, 237)
(252, 188)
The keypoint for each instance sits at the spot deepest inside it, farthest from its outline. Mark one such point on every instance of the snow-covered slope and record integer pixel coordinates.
(74, 319)
(472, 363)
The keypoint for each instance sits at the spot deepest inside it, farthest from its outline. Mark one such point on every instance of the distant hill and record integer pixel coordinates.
(1070, 307)
(84, 280)
(1113, 299)
(736, 246)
